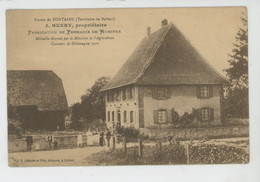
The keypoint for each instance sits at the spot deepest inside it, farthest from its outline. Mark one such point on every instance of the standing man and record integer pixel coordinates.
(29, 141)
(108, 136)
(49, 139)
(101, 138)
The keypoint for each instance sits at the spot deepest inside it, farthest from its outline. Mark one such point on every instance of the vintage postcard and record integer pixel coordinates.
(144, 86)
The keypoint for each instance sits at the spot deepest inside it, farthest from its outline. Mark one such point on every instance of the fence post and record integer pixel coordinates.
(124, 145)
(187, 151)
(140, 148)
(114, 143)
(160, 146)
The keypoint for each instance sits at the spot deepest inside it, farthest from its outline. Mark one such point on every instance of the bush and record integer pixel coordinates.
(128, 132)
(170, 154)
(201, 154)
(217, 154)
(117, 157)
(15, 127)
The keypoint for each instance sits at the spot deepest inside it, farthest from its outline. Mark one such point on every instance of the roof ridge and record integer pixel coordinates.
(154, 52)
(193, 46)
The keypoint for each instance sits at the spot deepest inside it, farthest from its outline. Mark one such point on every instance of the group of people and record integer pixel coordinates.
(102, 141)
(53, 143)
(101, 137)
(90, 138)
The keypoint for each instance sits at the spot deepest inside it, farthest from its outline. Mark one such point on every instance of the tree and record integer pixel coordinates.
(76, 112)
(237, 90)
(92, 105)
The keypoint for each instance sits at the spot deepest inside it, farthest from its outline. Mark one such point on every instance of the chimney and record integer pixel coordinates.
(164, 22)
(148, 31)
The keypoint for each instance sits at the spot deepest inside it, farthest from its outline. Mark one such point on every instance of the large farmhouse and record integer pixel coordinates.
(36, 98)
(165, 73)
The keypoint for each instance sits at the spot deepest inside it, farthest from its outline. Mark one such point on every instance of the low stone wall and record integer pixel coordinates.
(64, 142)
(195, 133)
(237, 121)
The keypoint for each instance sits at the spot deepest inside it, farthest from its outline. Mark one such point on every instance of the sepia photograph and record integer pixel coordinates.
(129, 86)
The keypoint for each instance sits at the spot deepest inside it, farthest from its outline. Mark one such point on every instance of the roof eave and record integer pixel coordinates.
(117, 86)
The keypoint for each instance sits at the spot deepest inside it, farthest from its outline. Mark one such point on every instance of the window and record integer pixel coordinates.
(113, 96)
(161, 116)
(113, 116)
(108, 115)
(110, 96)
(162, 92)
(118, 116)
(125, 116)
(117, 95)
(205, 114)
(127, 93)
(131, 116)
(131, 93)
(124, 94)
(107, 96)
(204, 91)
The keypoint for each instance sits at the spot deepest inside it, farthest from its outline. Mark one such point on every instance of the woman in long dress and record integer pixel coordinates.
(89, 137)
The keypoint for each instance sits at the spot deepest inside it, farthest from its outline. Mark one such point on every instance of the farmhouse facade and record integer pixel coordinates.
(36, 98)
(164, 75)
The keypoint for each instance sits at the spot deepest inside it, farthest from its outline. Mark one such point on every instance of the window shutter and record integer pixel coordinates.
(154, 92)
(166, 116)
(210, 91)
(169, 113)
(199, 114)
(198, 91)
(211, 114)
(155, 116)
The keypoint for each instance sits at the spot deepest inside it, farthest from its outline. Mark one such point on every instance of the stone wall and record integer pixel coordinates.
(196, 133)
(64, 142)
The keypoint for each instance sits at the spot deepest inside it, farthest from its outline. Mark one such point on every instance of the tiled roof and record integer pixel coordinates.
(42, 88)
(165, 57)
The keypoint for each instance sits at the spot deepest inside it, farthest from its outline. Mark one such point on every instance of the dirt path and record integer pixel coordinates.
(66, 157)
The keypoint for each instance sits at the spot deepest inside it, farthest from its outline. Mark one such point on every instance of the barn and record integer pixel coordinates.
(37, 99)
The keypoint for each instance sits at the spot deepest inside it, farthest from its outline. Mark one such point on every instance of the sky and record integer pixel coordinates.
(211, 30)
